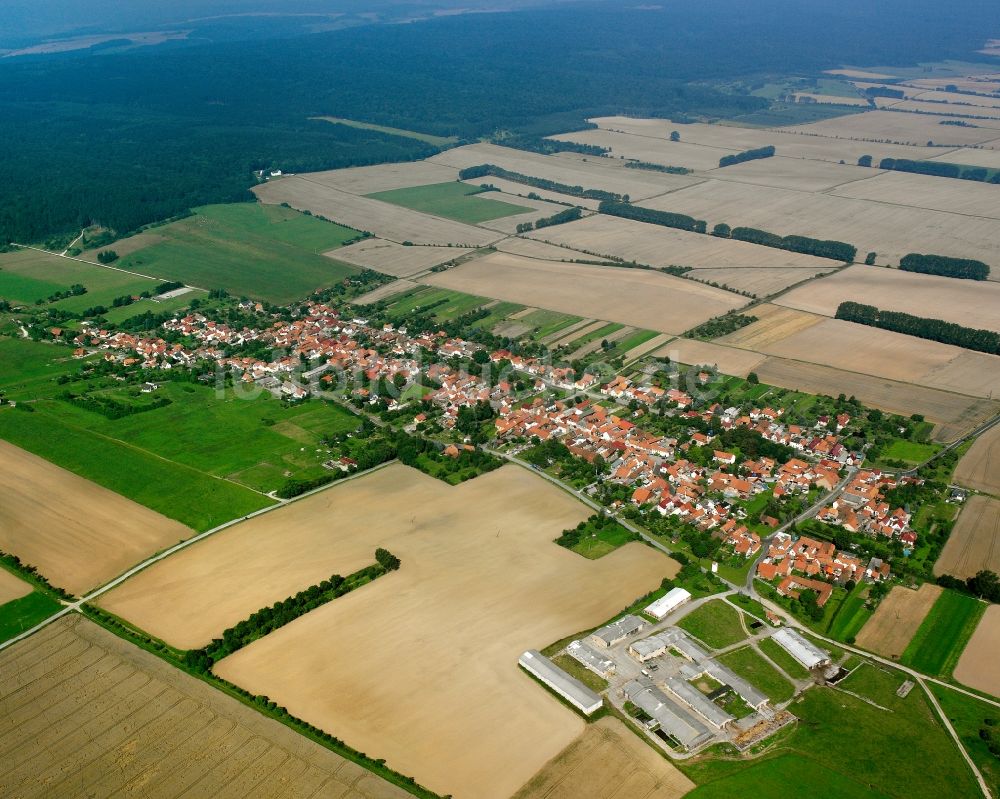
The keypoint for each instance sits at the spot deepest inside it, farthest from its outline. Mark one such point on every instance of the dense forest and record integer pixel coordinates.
(964, 268)
(130, 138)
(921, 327)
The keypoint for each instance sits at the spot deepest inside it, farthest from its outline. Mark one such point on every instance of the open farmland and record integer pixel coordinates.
(953, 413)
(760, 282)
(636, 297)
(571, 169)
(249, 249)
(992, 114)
(382, 219)
(480, 582)
(964, 197)
(792, 142)
(979, 468)
(655, 245)
(939, 641)
(654, 149)
(900, 128)
(897, 618)
(87, 714)
(891, 231)
(881, 353)
(989, 159)
(974, 544)
(773, 324)
(607, 761)
(383, 177)
(76, 533)
(12, 587)
(965, 302)
(395, 259)
(729, 360)
(386, 291)
(532, 248)
(977, 667)
(451, 200)
(793, 173)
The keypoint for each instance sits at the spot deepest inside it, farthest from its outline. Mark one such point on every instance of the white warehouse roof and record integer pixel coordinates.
(669, 602)
(800, 648)
(569, 688)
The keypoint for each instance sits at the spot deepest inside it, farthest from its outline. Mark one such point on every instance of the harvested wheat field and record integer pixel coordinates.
(899, 128)
(774, 324)
(384, 177)
(78, 534)
(530, 248)
(891, 231)
(508, 224)
(728, 360)
(889, 630)
(385, 291)
(655, 245)
(637, 297)
(88, 714)
(793, 173)
(974, 544)
(568, 168)
(384, 220)
(964, 197)
(788, 142)
(992, 115)
(424, 661)
(858, 73)
(971, 157)
(954, 414)
(979, 468)
(607, 761)
(520, 191)
(395, 259)
(758, 281)
(654, 147)
(977, 667)
(880, 353)
(12, 587)
(966, 302)
(646, 347)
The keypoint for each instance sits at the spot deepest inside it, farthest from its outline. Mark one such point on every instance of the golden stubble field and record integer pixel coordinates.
(974, 544)
(420, 667)
(78, 534)
(977, 667)
(607, 761)
(88, 714)
(889, 630)
(979, 468)
(638, 297)
(963, 197)
(12, 587)
(971, 303)
(395, 259)
(896, 127)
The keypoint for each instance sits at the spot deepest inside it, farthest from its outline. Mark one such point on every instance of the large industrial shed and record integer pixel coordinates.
(586, 655)
(618, 630)
(569, 688)
(801, 648)
(666, 716)
(668, 603)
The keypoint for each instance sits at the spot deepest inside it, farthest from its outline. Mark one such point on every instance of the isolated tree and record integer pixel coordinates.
(865, 160)
(870, 259)
(675, 136)
(752, 379)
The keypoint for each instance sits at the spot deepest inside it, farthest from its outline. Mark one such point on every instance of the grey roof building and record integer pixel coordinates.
(591, 658)
(727, 676)
(801, 648)
(618, 630)
(569, 688)
(699, 703)
(667, 716)
(646, 648)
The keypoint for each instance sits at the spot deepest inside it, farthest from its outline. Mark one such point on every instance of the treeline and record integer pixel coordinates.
(646, 165)
(964, 268)
(985, 585)
(111, 408)
(941, 169)
(884, 91)
(30, 573)
(747, 155)
(821, 248)
(569, 215)
(653, 217)
(537, 144)
(721, 325)
(486, 170)
(921, 327)
(269, 619)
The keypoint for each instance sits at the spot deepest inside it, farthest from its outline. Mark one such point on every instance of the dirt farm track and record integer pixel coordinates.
(87, 714)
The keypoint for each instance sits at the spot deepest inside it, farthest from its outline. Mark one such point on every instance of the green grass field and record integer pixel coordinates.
(190, 496)
(634, 340)
(265, 252)
(24, 613)
(752, 667)
(851, 615)
(437, 141)
(600, 542)
(715, 623)
(968, 716)
(938, 643)
(453, 200)
(576, 669)
(30, 368)
(446, 304)
(910, 452)
(546, 323)
(595, 335)
(851, 749)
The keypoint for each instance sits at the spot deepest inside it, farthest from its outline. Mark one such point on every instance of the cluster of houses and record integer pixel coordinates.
(808, 564)
(862, 508)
